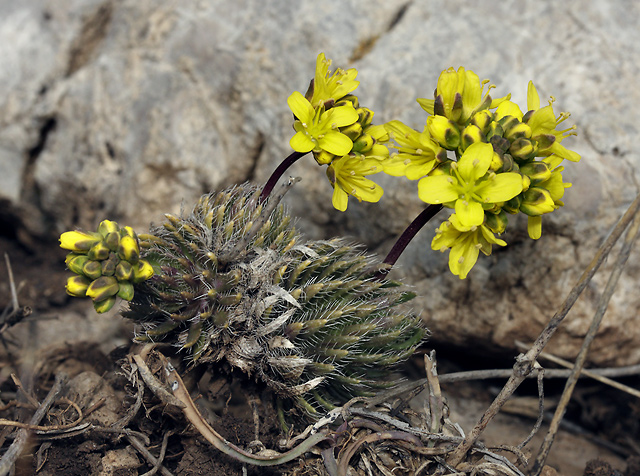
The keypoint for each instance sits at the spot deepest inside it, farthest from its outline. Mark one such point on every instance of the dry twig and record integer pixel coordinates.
(524, 363)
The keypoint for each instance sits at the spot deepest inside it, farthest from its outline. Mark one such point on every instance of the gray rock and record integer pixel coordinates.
(131, 109)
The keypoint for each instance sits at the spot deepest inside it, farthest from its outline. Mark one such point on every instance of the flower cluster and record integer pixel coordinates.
(106, 264)
(480, 156)
(330, 123)
(504, 162)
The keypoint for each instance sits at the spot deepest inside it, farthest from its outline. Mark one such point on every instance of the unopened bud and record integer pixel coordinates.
(77, 286)
(103, 288)
(518, 130)
(75, 262)
(512, 206)
(104, 306)
(522, 149)
(124, 271)
(482, 119)
(78, 240)
(323, 157)
(109, 265)
(99, 251)
(497, 222)
(92, 269)
(471, 135)
(129, 249)
(365, 116)
(125, 290)
(349, 99)
(108, 226)
(112, 240)
(536, 171)
(352, 131)
(142, 271)
(363, 144)
(537, 201)
(444, 131)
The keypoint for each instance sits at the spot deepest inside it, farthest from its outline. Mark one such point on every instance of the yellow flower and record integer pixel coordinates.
(417, 153)
(465, 244)
(331, 87)
(471, 185)
(347, 175)
(78, 241)
(317, 129)
(459, 95)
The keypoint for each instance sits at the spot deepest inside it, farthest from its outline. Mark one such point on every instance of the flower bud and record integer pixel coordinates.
(112, 240)
(109, 265)
(444, 131)
(104, 306)
(536, 201)
(124, 271)
(129, 249)
(482, 119)
(99, 251)
(507, 122)
(536, 171)
(363, 144)
(75, 262)
(323, 157)
(513, 206)
(352, 131)
(365, 116)
(470, 135)
(78, 240)
(77, 286)
(347, 100)
(142, 271)
(108, 226)
(92, 269)
(497, 222)
(103, 288)
(522, 149)
(518, 130)
(125, 290)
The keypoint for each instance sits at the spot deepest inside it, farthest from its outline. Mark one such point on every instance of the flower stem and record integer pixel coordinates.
(277, 173)
(406, 237)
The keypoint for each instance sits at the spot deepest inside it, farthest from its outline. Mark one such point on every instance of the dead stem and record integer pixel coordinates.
(524, 363)
(584, 349)
(9, 458)
(601, 375)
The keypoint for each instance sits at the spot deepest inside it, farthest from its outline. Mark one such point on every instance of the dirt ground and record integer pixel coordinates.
(601, 435)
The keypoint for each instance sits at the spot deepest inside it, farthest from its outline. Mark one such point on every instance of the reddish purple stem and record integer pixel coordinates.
(277, 173)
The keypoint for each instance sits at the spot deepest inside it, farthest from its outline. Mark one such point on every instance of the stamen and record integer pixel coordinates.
(419, 151)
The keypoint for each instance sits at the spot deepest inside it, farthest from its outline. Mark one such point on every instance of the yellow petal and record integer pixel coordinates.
(533, 100)
(502, 187)
(300, 107)
(335, 142)
(534, 227)
(475, 161)
(469, 213)
(301, 142)
(437, 189)
(340, 199)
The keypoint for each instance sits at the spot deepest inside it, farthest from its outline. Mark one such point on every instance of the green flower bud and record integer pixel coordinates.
(517, 130)
(537, 201)
(522, 149)
(365, 116)
(545, 141)
(482, 119)
(536, 171)
(507, 122)
(78, 241)
(99, 251)
(512, 206)
(75, 262)
(77, 286)
(92, 269)
(108, 226)
(348, 99)
(444, 132)
(125, 290)
(109, 265)
(104, 306)
(497, 222)
(494, 129)
(103, 288)
(124, 271)
(363, 144)
(470, 135)
(456, 108)
(112, 240)
(128, 231)
(129, 249)
(352, 131)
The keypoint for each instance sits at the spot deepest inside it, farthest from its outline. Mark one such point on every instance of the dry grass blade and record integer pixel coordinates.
(584, 349)
(524, 363)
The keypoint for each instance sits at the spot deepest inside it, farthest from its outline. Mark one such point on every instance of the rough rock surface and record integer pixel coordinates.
(129, 109)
